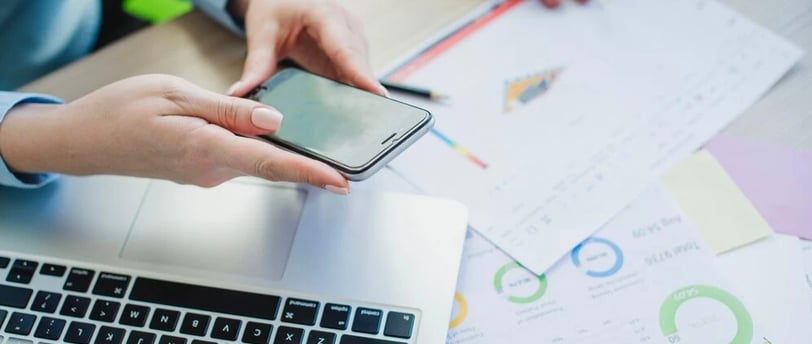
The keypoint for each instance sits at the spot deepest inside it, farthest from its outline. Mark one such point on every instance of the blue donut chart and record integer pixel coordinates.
(576, 259)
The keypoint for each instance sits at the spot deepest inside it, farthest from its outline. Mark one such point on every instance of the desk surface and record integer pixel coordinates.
(195, 48)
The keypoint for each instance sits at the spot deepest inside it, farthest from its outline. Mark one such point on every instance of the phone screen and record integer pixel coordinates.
(335, 121)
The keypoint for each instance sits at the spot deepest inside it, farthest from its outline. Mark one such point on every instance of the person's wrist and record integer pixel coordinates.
(24, 138)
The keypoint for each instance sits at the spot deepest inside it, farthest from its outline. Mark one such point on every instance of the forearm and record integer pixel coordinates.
(12, 105)
(29, 138)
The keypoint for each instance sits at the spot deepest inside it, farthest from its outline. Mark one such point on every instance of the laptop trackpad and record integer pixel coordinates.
(235, 228)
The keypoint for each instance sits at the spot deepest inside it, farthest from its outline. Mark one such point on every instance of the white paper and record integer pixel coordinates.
(643, 271)
(632, 86)
(780, 116)
(770, 277)
(806, 252)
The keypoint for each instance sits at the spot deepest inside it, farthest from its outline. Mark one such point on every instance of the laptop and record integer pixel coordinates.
(114, 260)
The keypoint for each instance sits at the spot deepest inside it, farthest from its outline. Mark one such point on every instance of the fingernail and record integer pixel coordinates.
(337, 190)
(384, 91)
(265, 118)
(233, 87)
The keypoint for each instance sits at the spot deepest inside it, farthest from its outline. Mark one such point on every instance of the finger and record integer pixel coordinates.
(357, 28)
(260, 63)
(551, 3)
(346, 49)
(239, 115)
(263, 160)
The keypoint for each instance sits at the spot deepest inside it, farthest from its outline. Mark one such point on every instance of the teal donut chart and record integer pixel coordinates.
(576, 259)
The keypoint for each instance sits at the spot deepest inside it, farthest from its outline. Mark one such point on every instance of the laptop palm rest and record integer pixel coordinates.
(236, 228)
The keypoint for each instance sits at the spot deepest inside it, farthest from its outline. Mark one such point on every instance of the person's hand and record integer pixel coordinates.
(156, 126)
(319, 35)
(556, 3)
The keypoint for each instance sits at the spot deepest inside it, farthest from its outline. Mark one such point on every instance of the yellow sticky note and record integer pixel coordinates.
(714, 203)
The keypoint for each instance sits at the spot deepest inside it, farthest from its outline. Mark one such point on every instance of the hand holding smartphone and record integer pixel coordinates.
(354, 131)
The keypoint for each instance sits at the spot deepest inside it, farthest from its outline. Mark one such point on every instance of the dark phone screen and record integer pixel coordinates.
(341, 123)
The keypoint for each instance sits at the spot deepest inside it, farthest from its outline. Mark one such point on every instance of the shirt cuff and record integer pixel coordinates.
(216, 9)
(9, 100)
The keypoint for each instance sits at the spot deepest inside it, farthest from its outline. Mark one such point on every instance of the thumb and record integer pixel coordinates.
(239, 115)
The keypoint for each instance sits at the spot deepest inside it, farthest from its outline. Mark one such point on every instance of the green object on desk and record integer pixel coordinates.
(156, 11)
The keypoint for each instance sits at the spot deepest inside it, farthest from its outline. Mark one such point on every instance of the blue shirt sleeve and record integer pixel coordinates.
(216, 9)
(22, 180)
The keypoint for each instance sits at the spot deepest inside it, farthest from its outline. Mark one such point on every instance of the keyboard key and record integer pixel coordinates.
(335, 316)
(172, 340)
(75, 306)
(399, 325)
(350, 339)
(20, 323)
(79, 280)
(25, 264)
(134, 315)
(196, 341)
(50, 328)
(195, 324)
(46, 302)
(18, 276)
(111, 285)
(225, 328)
(301, 312)
(3, 315)
(22, 271)
(52, 270)
(14, 296)
(138, 337)
(367, 320)
(288, 335)
(105, 311)
(164, 320)
(110, 335)
(79, 333)
(4, 262)
(321, 337)
(256, 333)
(205, 298)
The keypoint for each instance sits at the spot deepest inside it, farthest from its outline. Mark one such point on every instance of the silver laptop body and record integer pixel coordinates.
(385, 256)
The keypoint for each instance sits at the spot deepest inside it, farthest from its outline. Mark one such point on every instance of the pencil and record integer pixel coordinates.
(413, 90)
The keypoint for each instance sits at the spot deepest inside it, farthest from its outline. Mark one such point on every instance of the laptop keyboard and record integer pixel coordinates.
(42, 302)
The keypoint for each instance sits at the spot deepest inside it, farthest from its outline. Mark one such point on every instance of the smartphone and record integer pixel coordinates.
(354, 131)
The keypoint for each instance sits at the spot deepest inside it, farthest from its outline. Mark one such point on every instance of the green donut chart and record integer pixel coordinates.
(668, 311)
(498, 285)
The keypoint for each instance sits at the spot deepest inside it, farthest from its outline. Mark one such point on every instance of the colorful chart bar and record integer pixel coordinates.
(459, 149)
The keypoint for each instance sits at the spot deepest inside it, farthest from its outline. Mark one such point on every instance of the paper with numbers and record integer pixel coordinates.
(769, 275)
(645, 277)
(556, 120)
